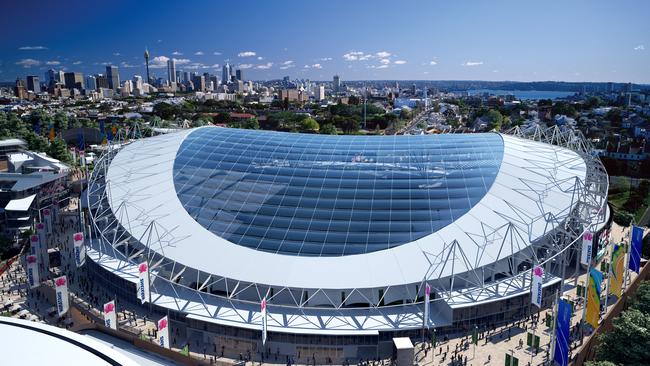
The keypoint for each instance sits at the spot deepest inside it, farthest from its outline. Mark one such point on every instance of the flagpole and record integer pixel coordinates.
(609, 275)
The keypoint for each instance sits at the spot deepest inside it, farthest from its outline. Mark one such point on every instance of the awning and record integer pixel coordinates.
(22, 204)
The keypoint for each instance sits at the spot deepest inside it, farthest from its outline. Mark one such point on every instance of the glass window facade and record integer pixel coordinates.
(322, 195)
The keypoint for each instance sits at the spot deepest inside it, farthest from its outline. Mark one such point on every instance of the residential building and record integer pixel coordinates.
(113, 75)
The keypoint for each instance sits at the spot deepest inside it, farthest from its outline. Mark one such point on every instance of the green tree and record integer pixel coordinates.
(495, 118)
(628, 342)
(222, 118)
(327, 129)
(309, 124)
(600, 363)
(201, 121)
(60, 121)
(641, 300)
(59, 150)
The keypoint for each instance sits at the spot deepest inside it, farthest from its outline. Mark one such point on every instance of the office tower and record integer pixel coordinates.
(59, 76)
(102, 81)
(171, 71)
(146, 60)
(74, 80)
(137, 82)
(113, 76)
(186, 77)
(319, 92)
(239, 74)
(225, 74)
(336, 85)
(178, 76)
(33, 84)
(19, 89)
(91, 83)
(50, 77)
(199, 82)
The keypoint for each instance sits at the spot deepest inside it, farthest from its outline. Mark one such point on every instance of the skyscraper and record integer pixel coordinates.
(74, 80)
(33, 84)
(240, 75)
(146, 60)
(91, 83)
(225, 73)
(336, 85)
(113, 76)
(171, 71)
(50, 77)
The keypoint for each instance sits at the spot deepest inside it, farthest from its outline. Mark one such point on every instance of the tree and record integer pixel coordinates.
(628, 342)
(59, 150)
(309, 125)
(60, 121)
(223, 118)
(201, 121)
(327, 129)
(600, 363)
(641, 300)
(495, 118)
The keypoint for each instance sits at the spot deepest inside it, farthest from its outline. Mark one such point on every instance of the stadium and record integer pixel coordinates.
(340, 234)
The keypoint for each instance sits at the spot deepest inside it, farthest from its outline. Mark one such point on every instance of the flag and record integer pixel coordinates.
(61, 285)
(143, 282)
(73, 152)
(562, 326)
(52, 134)
(163, 332)
(102, 131)
(593, 297)
(79, 249)
(427, 294)
(587, 241)
(636, 241)
(617, 270)
(80, 142)
(263, 311)
(47, 218)
(110, 315)
(32, 271)
(536, 291)
(34, 246)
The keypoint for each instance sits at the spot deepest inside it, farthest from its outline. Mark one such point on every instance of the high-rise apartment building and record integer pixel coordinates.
(225, 73)
(336, 84)
(33, 84)
(74, 80)
(113, 75)
(91, 83)
(171, 71)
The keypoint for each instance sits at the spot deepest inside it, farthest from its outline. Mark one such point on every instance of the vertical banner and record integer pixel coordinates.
(61, 285)
(34, 246)
(427, 295)
(618, 270)
(73, 152)
(143, 282)
(263, 311)
(593, 297)
(636, 239)
(82, 158)
(163, 332)
(110, 315)
(587, 242)
(78, 248)
(562, 328)
(538, 280)
(47, 217)
(40, 231)
(32, 271)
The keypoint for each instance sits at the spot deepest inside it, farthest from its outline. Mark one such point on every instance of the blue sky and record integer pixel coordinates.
(438, 40)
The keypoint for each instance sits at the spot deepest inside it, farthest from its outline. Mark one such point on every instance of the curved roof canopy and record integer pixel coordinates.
(322, 195)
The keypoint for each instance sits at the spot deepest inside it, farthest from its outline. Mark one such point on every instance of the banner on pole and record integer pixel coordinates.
(593, 297)
(587, 243)
(163, 332)
(40, 231)
(617, 270)
(143, 282)
(47, 217)
(110, 315)
(562, 328)
(263, 311)
(61, 285)
(32, 271)
(78, 248)
(427, 296)
(635, 248)
(34, 246)
(538, 280)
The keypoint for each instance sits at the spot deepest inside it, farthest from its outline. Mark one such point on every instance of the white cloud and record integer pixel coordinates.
(245, 66)
(216, 53)
(127, 65)
(246, 54)
(76, 63)
(325, 59)
(287, 65)
(433, 62)
(32, 48)
(215, 66)
(472, 63)
(382, 67)
(176, 53)
(53, 63)
(195, 66)
(639, 48)
(495, 71)
(181, 61)
(400, 62)
(117, 54)
(384, 61)
(265, 66)
(383, 54)
(199, 53)
(260, 58)
(289, 62)
(28, 63)
(159, 62)
(314, 66)
(353, 56)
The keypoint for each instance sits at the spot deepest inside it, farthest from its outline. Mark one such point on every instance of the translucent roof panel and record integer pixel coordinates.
(322, 195)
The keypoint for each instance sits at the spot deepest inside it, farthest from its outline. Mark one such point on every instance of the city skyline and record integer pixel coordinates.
(577, 41)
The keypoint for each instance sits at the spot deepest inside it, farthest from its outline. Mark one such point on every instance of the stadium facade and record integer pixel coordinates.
(341, 234)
